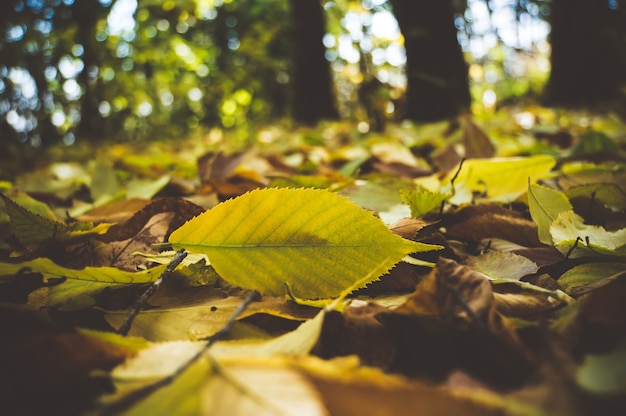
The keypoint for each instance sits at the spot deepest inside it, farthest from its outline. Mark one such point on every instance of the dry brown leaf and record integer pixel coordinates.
(447, 159)
(523, 305)
(476, 141)
(356, 331)
(479, 222)
(599, 321)
(454, 293)
(229, 188)
(409, 227)
(115, 212)
(45, 371)
(366, 391)
(217, 165)
(119, 254)
(183, 210)
(450, 323)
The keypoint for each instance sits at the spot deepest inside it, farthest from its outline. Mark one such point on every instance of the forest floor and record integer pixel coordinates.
(473, 267)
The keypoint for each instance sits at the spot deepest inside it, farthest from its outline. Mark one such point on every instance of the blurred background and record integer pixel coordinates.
(87, 70)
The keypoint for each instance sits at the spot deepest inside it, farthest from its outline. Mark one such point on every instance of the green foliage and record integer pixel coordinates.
(185, 66)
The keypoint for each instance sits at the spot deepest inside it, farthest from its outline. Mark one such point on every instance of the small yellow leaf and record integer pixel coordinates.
(545, 205)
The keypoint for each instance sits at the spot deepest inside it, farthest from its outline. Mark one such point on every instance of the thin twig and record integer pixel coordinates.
(143, 299)
(141, 393)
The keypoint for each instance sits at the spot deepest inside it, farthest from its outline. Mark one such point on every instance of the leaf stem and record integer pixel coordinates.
(143, 392)
(143, 299)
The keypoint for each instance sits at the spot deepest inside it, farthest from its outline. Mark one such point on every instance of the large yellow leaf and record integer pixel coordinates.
(314, 242)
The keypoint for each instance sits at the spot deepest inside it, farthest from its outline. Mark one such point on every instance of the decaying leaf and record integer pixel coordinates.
(501, 265)
(487, 221)
(310, 242)
(450, 323)
(476, 141)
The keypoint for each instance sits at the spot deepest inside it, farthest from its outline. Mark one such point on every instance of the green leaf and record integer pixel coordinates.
(501, 179)
(578, 279)
(104, 184)
(146, 188)
(545, 205)
(313, 241)
(569, 230)
(422, 201)
(502, 265)
(34, 224)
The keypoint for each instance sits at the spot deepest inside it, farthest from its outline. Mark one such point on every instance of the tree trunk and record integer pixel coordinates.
(587, 63)
(437, 82)
(87, 14)
(312, 82)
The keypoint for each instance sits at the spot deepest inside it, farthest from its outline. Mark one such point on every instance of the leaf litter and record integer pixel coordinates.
(499, 292)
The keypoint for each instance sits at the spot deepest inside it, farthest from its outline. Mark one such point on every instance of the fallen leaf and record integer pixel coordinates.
(572, 236)
(422, 201)
(33, 230)
(484, 222)
(545, 205)
(476, 141)
(56, 368)
(409, 227)
(586, 277)
(500, 179)
(308, 242)
(501, 265)
(199, 316)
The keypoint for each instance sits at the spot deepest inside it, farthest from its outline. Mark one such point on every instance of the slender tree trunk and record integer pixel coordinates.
(437, 82)
(88, 13)
(314, 99)
(587, 63)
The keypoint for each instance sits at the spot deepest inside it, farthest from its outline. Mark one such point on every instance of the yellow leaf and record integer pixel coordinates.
(545, 205)
(313, 241)
(49, 269)
(569, 231)
(500, 179)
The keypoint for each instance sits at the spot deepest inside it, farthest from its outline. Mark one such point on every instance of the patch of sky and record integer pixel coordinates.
(120, 19)
(70, 67)
(15, 33)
